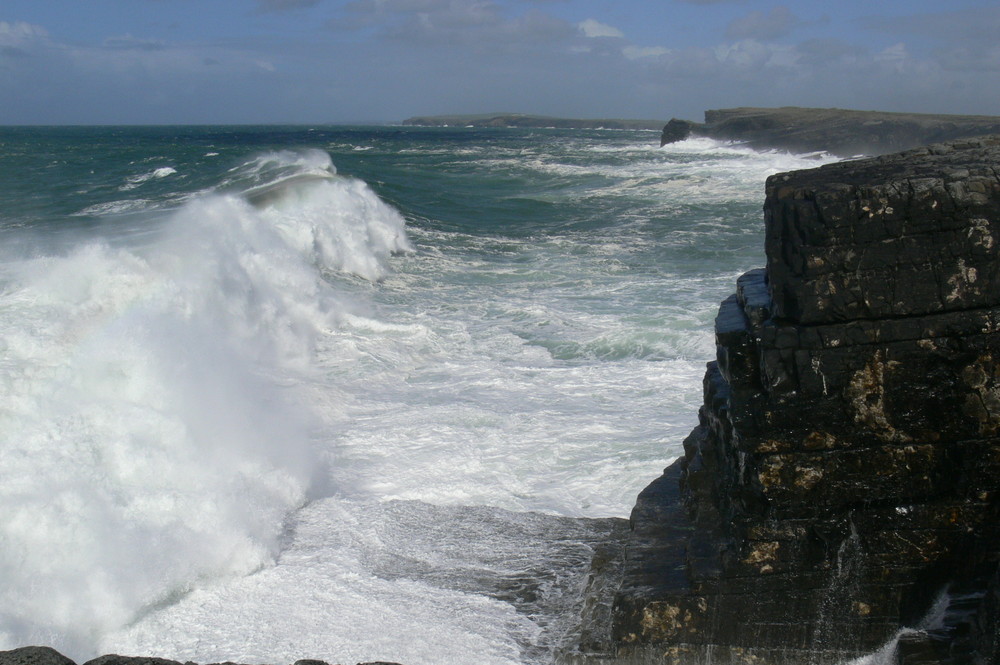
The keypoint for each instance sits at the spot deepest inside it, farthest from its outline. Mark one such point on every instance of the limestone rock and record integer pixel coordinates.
(845, 475)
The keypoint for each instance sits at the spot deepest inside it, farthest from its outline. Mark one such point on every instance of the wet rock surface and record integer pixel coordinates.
(838, 131)
(844, 480)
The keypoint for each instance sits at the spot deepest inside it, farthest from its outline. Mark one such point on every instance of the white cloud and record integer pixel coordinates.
(592, 28)
(973, 59)
(414, 56)
(14, 34)
(894, 56)
(639, 52)
(126, 79)
(130, 42)
(745, 55)
(472, 26)
(16, 39)
(827, 52)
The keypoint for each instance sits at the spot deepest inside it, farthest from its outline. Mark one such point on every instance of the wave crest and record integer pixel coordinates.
(156, 434)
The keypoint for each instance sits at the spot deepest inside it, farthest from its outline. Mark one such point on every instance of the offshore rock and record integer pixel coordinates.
(837, 131)
(844, 479)
(676, 130)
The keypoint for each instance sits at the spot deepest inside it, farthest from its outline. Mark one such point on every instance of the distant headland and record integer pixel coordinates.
(528, 120)
(840, 132)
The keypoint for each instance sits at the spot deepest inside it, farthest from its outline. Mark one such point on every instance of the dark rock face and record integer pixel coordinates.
(115, 659)
(34, 656)
(845, 475)
(677, 130)
(837, 131)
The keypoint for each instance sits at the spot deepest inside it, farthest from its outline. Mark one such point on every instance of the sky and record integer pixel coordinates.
(348, 61)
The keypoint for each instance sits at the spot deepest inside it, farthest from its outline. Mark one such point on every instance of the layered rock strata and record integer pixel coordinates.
(845, 474)
(837, 131)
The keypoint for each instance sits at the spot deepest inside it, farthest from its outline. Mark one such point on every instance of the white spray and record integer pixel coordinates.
(150, 436)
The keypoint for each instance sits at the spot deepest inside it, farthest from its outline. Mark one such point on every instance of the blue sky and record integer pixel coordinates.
(317, 61)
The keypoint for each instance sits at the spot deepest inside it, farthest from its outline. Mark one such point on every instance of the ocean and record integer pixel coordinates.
(345, 393)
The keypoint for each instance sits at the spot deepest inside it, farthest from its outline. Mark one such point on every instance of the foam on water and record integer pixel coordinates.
(152, 438)
(324, 600)
(115, 208)
(136, 181)
(695, 171)
(284, 427)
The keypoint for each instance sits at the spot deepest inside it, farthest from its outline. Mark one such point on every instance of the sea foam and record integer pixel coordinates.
(172, 405)
(152, 436)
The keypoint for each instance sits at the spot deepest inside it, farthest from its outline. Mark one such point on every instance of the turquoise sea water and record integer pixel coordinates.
(284, 392)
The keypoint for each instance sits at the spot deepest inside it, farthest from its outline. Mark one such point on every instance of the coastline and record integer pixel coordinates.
(842, 132)
(526, 120)
(748, 293)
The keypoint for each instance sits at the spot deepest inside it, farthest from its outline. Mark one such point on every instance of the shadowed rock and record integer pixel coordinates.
(34, 656)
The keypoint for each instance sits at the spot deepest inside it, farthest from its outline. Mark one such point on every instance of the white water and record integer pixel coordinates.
(155, 434)
(172, 406)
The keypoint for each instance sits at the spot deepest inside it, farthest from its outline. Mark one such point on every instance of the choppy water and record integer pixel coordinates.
(273, 393)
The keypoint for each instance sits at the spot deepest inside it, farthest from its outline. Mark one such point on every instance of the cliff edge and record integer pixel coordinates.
(844, 480)
(838, 131)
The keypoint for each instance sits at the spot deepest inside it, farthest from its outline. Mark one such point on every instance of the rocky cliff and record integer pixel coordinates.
(837, 131)
(844, 480)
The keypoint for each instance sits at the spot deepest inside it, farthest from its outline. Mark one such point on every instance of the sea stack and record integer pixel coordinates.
(844, 480)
